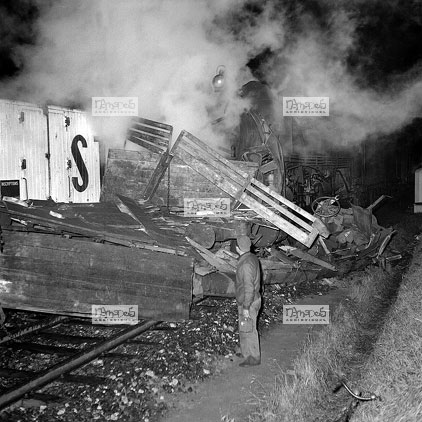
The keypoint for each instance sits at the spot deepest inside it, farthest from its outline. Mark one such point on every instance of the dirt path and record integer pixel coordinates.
(236, 392)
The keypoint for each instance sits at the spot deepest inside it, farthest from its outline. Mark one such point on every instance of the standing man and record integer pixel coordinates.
(248, 286)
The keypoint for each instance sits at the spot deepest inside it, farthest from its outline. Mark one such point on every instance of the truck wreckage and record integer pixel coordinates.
(63, 258)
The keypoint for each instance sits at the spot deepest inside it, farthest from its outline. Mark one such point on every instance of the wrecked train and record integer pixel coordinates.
(137, 248)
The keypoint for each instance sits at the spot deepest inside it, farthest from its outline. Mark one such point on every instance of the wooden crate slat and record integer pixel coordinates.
(280, 222)
(147, 144)
(159, 135)
(214, 177)
(284, 211)
(217, 156)
(143, 121)
(193, 147)
(212, 163)
(284, 201)
(150, 138)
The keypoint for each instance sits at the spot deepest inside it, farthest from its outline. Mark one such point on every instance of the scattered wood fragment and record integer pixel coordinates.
(298, 253)
(219, 263)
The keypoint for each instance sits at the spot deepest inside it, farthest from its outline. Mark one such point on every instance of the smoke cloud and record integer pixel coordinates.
(164, 52)
(316, 64)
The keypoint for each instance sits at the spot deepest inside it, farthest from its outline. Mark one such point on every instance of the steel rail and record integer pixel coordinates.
(49, 375)
(48, 322)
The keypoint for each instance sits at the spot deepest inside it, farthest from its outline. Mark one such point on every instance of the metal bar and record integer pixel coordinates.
(43, 324)
(72, 363)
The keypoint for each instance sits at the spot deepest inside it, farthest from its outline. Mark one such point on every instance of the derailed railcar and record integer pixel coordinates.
(47, 153)
(64, 259)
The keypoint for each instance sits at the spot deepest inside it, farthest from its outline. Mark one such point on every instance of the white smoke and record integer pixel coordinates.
(315, 65)
(165, 52)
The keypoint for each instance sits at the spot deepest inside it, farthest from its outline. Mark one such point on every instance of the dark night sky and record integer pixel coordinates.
(17, 19)
(388, 35)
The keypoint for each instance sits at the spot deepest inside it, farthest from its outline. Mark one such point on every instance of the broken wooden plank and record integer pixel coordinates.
(157, 176)
(298, 253)
(219, 263)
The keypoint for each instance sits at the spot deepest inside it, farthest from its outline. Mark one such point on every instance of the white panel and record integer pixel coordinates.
(23, 135)
(73, 180)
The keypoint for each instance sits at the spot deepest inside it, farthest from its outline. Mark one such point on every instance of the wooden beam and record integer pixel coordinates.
(157, 176)
(219, 263)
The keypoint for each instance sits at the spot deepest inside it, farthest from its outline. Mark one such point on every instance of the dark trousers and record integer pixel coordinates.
(249, 342)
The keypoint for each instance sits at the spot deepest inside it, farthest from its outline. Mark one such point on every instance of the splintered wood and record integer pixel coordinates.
(268, 204)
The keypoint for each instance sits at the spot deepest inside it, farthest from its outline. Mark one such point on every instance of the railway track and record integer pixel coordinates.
(137, 380)
(36, 338)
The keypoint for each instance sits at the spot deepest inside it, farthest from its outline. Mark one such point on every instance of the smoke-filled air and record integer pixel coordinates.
(163, 52)
(166, 52)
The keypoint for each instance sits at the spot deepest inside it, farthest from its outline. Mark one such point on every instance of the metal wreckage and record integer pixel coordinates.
(140, 246)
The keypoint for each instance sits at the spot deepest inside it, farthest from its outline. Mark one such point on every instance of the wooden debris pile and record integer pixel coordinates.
(293, 244)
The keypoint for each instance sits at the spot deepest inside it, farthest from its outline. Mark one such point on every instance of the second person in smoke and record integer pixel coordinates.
(248, 296)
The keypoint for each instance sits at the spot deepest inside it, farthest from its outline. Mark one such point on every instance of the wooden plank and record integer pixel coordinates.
(210, 158)
(67, 276)
(306, 215)
(310, 258)
(216, 156)
(268, 201)
(159, 135)
(154, 181)
(200, 166)
(143, 121)
(278, 221)
(211, 258)
(147, 144)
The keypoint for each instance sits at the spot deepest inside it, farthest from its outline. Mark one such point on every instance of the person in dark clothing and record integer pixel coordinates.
(248, 296)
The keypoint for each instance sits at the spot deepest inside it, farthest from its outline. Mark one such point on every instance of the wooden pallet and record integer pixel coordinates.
(156, 137)
(276, 209)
